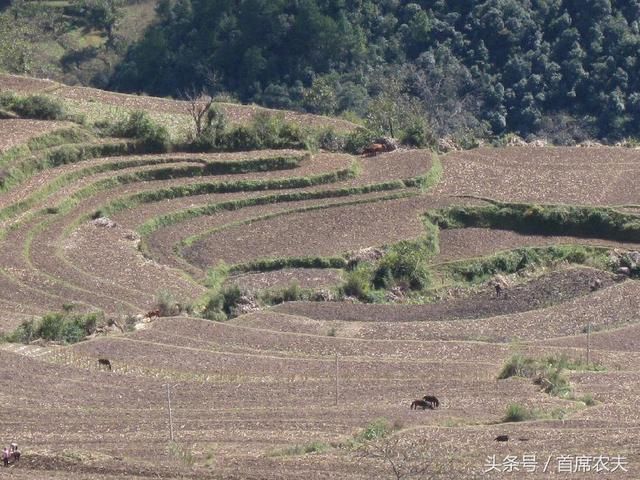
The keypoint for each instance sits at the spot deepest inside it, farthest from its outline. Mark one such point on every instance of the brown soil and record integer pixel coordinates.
(18, 131)
(542, 292)
(22, 84)
(244, 392)
(465, 243)
(312, 278)
(585, 176)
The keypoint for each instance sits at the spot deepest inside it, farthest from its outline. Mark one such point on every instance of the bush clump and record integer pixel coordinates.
(140, 126)
(518, 413)
(221, 304)
(404, 264)
(596, 222)
(519, 366)
(64, 327)
(38, 107)
(375, 430)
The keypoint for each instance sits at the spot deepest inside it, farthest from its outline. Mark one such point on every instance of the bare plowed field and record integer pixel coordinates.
(544, 291)
(585, 176)
(19, 131)
(324, 232)
(286, 392)
(605, 308)
(312, 278)
(464, 243)
(21, 84)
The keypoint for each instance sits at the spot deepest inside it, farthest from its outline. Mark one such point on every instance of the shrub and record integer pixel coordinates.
(418, 134)
(241, 138)
(588, 400)
(212, 135)
(329, 140)
(61, 327)
(518, 366)
(405, 263)
(221, 304)
(517, 413)
(358, 282)
(33, 106)
(166, 303)
(139, 125)
(291, 293)
(358, 139)
(313, 447)
(379, 428)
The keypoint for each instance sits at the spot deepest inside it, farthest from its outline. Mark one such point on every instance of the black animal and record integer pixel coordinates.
(432, 400)
(502, 438)
(498, 288)
(103, 362)
(421, 403)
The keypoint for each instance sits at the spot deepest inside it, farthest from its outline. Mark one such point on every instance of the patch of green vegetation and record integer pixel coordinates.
(595, 222)
(271, 264)
(479, 270)
(17, 168)
(63, 326)
(358, 283)
(548, 373)
(519, 366)
(404, 265)
(217, 187)
(39, 107)
(222, 302)
(587, 399)
(313, 447)
(151, 136)
(518, 413)
(182, 453)
(379, 428)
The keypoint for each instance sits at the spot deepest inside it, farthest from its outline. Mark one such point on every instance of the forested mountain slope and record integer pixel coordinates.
(565, 69)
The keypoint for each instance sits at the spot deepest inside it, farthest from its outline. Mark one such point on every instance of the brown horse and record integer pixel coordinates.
(432, 400)
(104, 362)
(421, 403)
(374, 149)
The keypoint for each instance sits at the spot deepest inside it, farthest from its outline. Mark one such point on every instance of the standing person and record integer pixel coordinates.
(5, 456)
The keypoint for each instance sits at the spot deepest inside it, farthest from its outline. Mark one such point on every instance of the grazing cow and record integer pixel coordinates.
(502, 438)
(154, 313)
(432, 400)
(421, 403)
(104, 362)
(374, 149)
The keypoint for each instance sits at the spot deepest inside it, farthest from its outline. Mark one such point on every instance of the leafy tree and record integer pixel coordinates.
(455, 66)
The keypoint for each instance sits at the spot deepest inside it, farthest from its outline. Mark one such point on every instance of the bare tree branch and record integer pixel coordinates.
(198, 104)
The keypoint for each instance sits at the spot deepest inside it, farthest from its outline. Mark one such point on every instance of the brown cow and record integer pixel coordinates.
(374, 149)
(104, 362)
(421, 403)
(154, 313)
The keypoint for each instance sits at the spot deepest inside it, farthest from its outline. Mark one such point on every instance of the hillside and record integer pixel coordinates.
(564, 70)
(297, 296)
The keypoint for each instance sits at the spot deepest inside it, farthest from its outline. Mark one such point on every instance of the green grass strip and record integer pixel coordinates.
(226, 187)
(598, 222)
(173, 218)
(478, 270)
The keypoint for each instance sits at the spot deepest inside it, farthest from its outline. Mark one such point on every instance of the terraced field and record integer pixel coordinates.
(292, 390)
